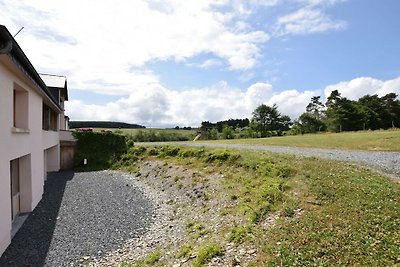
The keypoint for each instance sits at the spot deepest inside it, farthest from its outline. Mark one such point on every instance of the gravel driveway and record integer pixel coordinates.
(387, 162)
(81, 217)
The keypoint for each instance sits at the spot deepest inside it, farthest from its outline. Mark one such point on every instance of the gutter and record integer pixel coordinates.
(10, 47)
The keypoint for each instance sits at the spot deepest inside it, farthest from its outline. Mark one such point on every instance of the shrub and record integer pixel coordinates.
(169, 151)
(100, 149)
(222, 155)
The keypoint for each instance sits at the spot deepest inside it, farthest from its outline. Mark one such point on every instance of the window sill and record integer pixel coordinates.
(19, 130)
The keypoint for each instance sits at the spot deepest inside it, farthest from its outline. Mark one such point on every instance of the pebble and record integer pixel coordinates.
(94, 219)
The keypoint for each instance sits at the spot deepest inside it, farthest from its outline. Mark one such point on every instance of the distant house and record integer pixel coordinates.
(31, 116)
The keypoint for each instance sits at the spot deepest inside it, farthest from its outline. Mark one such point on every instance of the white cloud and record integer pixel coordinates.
(292, 102)
(307, 20)
(97, 43)
(206, 64)
(158, 106)
(257, 94)
(320, 2)
(390, 86)
(356, 88)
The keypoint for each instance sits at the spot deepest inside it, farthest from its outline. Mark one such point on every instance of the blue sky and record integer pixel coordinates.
(176, 62)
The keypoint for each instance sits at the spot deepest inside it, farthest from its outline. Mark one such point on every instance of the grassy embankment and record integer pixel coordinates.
(330, 213)
(383, 140)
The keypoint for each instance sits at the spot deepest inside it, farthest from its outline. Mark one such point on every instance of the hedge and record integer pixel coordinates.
(100, 149)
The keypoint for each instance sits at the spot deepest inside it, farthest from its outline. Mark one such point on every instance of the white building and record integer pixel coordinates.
(31, 115)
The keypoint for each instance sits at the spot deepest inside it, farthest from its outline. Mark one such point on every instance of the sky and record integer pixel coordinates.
(167, 63)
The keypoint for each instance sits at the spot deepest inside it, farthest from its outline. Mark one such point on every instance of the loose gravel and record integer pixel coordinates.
(386, 162)
(81, 217)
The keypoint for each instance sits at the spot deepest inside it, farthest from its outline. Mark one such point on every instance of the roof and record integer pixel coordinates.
(54, 80)
(9, 46)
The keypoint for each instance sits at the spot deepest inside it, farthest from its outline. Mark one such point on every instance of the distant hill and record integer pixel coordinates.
(103, 124)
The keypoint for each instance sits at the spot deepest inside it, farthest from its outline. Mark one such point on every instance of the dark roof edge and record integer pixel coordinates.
(21, 59)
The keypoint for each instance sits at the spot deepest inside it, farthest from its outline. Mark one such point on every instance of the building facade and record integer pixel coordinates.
(31, 115)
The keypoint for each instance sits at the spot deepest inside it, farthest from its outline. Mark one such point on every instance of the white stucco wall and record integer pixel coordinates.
(16, 145)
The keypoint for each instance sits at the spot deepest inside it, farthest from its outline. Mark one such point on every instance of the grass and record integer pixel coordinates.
(206, 253)
(188, 133)
(330, 213)
(149, 260)
(185, 251)
(382, 140)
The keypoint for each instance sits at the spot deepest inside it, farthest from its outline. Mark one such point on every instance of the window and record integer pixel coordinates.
(20, 108)
(50, 119)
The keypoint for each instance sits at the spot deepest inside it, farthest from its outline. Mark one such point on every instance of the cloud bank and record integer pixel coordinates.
(162, 107)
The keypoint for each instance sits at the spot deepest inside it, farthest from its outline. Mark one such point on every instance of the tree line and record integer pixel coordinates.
(266, 121)
(219, 125)
(103, 124)
(337, 114)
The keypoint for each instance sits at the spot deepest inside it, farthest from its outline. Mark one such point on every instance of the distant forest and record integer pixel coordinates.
(219, 125)
(103, 124)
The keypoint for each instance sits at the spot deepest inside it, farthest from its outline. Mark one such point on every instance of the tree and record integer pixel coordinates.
(267, 118)
(308, 123)
(333, 98)
(311, 120)
(391, 107)
(343, 114)
(315, 107)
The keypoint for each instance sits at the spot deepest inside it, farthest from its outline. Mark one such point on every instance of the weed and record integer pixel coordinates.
(185, 251)
(196, 229)
(256, 215)
(153, 257)
(289, 207)
(239, 234)
(150, 259)
(207, 253)
(177, 178)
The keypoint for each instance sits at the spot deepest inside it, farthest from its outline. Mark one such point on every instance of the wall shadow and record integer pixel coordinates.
(31, 244)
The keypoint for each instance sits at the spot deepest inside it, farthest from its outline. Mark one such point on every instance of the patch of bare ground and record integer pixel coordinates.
(190, 215)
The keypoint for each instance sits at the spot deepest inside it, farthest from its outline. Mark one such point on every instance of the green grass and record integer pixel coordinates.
(188, 133)
(149, 260)
(185, 251)
(206, 253)
(349, 215)
(383, 140)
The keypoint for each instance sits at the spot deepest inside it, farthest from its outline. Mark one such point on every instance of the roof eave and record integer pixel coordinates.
(19, 57)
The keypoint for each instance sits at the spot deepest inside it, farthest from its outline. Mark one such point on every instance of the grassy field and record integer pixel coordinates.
(329, 213)
(171, 131)
(388, 140)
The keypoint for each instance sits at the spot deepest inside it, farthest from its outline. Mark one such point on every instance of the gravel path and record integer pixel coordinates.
(82, 217)
(387, 162)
